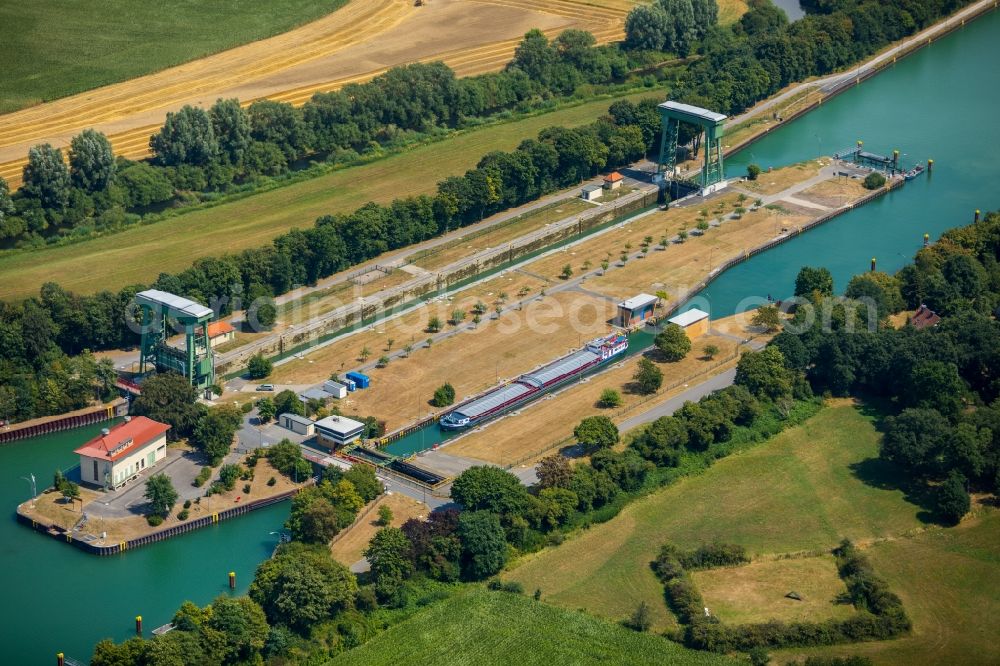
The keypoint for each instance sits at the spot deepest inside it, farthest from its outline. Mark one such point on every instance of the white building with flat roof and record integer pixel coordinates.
(334, 432)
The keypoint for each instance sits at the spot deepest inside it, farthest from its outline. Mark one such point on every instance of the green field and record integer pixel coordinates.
(795, 493)
(139, 254)
(756, 592)
(948, 581)
(480, 628)
(54, 48)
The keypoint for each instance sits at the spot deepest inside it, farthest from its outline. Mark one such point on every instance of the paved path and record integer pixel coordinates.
(828, 84)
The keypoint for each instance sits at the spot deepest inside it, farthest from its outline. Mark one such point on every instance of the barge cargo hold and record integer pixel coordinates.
(533, 384)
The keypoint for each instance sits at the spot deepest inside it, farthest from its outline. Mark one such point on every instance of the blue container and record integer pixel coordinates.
(360, 379)
(349, 383)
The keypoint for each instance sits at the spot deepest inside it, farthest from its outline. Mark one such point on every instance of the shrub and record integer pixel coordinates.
(714, 555)
(187, 504)
(384, 515)
(259, 367)
(204, 475)
(874, 180)
(246, 488)
(444, 395)
(183, 515)
(610, 398)
(752, 171)
(154, 520)
(272, 481)
(228, 475)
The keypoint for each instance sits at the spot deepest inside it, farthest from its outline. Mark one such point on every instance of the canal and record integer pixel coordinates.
(935, 104)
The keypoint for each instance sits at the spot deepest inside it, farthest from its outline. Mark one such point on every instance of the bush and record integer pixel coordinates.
(246, 488)
(154, 520)
(204, 475)
(183, 515)
(610, 398)
(187, 504)
(228, 475)
(272, 481)
(259, 367)
(384, 515)
(714, 555)
(752, 171)
(874, 180)
(444, 395)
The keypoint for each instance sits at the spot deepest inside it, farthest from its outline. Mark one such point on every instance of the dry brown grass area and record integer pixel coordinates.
(407, 329)
(834, 192)
(469, 360)
(53, 508)
(613, 242)
(350, 544)
(756, 592)
(536, 429)
(681, 266)
(780, 179)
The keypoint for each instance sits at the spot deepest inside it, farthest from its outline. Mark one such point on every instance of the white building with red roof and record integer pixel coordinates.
(120, 453)
(220, 332)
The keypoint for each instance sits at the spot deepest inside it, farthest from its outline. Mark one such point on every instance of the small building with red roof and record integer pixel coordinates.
(220, 332)
(121, 452)
(924, 317)
(613, 181)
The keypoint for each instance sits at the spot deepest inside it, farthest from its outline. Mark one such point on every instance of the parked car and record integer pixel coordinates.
(266, 387)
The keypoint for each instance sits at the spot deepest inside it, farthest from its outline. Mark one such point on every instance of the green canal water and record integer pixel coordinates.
(939, 103)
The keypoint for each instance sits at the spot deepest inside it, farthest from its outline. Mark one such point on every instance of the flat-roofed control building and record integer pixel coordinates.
(335, 432)
(694, 322)
(591, 192)
(120, 453)
(636, 310)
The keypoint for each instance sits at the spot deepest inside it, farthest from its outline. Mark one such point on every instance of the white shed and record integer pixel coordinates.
(336, 389)
(297, 424)
(591, 192)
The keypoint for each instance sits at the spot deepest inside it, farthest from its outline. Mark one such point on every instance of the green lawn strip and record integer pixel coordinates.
(139, 254)
(481, 627)
(56, 48)
(947, 579)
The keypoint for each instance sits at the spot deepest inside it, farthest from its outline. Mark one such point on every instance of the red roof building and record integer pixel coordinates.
(220, 332)
(613, 180)
(120, 453)
(924, 317)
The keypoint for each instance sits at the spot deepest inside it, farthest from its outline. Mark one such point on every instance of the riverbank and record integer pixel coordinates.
(99, 534)
(44, 425)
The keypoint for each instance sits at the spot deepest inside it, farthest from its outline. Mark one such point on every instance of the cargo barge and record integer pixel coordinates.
(530, 385)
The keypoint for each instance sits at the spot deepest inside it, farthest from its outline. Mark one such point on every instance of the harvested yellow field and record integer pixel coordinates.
(779, 179)
(535, 430)
(835, 192)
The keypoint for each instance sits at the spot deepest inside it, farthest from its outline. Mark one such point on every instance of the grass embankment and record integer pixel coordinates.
(132, 256)
(801, 491)
(481, 627)
(83, 45)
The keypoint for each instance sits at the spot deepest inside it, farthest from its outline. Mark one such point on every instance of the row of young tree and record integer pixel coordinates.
(941, 383)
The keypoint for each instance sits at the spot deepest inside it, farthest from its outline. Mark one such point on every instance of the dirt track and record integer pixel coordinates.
(360, 41)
